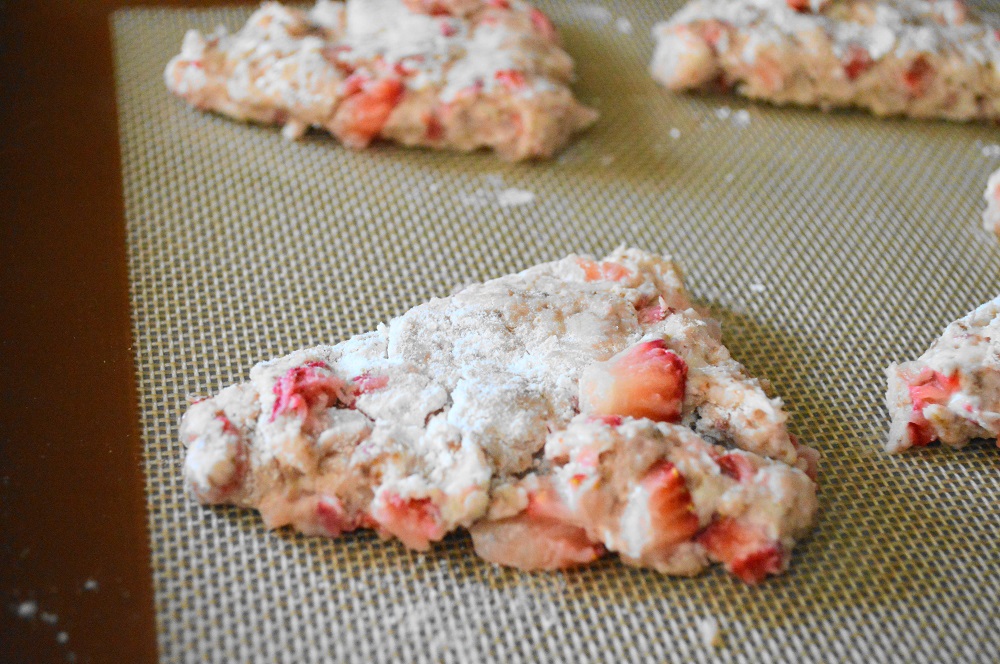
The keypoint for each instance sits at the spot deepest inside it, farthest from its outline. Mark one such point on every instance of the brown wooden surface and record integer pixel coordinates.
(72, 507)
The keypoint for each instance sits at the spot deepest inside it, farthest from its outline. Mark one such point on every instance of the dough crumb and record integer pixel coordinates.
(49, 618)
(511, 197)
(90, 584)
(741, 118)
(675, 133)
(624, 25)
(27, 610)
(757, 287)
(62, 637)
(708, 630)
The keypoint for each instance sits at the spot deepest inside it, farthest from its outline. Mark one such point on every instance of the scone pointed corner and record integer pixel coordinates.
(951, 393)
(577, 408)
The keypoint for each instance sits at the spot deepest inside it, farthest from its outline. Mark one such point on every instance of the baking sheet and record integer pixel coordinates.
(828, 245)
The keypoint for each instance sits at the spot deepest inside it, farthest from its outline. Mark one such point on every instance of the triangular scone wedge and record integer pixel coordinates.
(991, 216)
(575, 408)
(455, 74)
(933, 59)
(952, 393)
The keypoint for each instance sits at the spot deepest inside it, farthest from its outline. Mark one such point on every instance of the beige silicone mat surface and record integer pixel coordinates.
(828, 245)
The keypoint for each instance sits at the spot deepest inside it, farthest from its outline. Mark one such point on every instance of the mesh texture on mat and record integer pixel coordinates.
(828, 245)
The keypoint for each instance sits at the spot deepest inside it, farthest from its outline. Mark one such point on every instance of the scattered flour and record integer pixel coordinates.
(624, 25)
(757, 287)
(90, 584)
(991, 151)
(675, 133)
(49, 618)
(62, 637)
(741, 118)
(595, 13)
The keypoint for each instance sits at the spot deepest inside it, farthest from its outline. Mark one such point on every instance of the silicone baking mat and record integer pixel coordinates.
(828, 245)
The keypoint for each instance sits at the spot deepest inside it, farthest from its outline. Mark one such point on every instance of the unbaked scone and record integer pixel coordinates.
(450, 74)
(952, 392)
(919, 58)
(575, 408)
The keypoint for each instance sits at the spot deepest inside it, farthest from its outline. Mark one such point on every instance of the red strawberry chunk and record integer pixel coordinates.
(362, 115)
(603, 271)
(499, 4)
(610, 420)
(367, 382)
(303, 388)
(432, 7)
(415, 521)
(332, 517)
(543, 536)
(745, 550)
(512, 79)
(227, 425)
(670, 506)
(857, 61)
(917, 78)
(712, 32)
(934, 388)
(737, 466)
(647, 380)
(801, 6)
(435, 130)
(543, 26)
(448, 29)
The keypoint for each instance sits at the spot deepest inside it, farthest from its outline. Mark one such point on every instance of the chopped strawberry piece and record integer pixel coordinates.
(332, 517)
(610, 420)
(362, 115)
(531, 543)
(448, 29)
(745, 550)
(801, 6)
(435, 130)
(917, 78)
(576, 480)
(920, 431)
(227, 425)
(512, 79)
(712, 32)
(366, 383)
(354, 83)
(808, 456)
(647, 380)
(603, 271)
(303, 388)
(934, 388)
(332, 54)
(431, 7)
(543, 26)
(652, 312)
(543, 536)
(857, 61)
(415, 521)
(736, 466)
(671, 509)
(499, 4)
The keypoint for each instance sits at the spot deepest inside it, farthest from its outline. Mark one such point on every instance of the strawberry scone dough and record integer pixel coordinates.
(576, 408)
(952, 393)
(454, 74)
(919, 58)
(991, 216)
